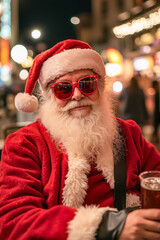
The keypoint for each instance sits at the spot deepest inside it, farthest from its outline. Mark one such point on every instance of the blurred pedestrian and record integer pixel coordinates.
(133, 103)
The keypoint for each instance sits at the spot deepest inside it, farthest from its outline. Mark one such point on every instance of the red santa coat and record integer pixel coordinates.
(33, 173)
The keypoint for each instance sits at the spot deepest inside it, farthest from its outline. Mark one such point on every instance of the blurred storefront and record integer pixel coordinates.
(139, 37)
(9, 83)
(131, 28)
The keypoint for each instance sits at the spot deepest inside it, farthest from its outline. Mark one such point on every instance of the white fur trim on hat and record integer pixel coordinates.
(69, 61)
(85, 224)
(26, 103)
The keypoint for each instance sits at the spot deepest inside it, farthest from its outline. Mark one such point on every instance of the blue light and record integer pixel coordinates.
(6, 19)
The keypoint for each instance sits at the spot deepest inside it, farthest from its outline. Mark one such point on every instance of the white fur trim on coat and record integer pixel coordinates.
(76, 182)
(69, 61)
(86, 222)
(132, 200)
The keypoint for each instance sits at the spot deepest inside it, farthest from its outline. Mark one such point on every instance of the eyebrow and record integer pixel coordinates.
(82, 76)
(53, 81)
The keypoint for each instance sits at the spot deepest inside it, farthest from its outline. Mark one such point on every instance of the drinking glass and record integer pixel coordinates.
(150, 189)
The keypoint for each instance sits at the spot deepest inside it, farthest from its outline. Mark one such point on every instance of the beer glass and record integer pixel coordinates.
(150, 189)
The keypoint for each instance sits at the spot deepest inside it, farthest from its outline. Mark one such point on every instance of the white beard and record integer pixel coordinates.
(88, 139)
(89, 136)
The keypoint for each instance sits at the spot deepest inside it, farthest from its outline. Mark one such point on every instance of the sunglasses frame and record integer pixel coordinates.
(95, 76)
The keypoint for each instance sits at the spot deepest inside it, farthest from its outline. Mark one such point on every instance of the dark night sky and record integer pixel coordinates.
(51, 16)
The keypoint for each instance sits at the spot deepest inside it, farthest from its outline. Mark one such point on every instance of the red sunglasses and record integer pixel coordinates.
(64, 90)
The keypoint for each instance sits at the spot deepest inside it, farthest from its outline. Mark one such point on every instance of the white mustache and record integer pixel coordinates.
(74, 104)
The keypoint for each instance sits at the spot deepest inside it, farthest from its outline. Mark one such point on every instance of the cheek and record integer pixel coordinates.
(93, 96)
(60, 102)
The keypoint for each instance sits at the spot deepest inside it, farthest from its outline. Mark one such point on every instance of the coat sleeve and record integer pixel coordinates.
(23, 212)
(22, 203)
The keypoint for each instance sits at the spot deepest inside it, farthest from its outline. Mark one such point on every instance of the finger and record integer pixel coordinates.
(151, 214)
(151, 235)
(153, 226)
(144, 227)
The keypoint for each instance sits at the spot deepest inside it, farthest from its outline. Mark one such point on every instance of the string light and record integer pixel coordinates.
(137, 25)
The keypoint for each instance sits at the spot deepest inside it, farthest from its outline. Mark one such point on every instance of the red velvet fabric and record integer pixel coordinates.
(32, 178)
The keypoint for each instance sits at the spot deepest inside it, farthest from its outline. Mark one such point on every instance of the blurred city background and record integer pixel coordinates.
(125, 32)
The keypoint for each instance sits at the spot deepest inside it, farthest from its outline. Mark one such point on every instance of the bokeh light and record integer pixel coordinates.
(19, 53)
(28, 62)
(113, 69)
(36, 34)
(23, 74)
(75, 20)
(117, 87)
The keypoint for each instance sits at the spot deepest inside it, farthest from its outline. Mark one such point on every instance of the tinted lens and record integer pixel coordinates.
(88, 84)
(63, 90)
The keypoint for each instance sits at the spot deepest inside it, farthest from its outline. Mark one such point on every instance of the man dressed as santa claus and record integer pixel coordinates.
(74, 173)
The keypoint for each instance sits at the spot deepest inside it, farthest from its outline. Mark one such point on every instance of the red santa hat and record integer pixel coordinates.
(66, 56)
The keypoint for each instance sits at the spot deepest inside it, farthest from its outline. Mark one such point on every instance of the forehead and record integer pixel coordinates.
(76, 74)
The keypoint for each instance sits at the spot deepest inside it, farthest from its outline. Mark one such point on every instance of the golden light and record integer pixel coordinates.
(137, 25)
(147, 38)
(114, 56)
(150, 61)
(27, 63)
(113, 69)
(127, 64)
(158, 33)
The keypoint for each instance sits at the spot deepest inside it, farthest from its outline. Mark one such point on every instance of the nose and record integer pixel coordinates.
(77, 95)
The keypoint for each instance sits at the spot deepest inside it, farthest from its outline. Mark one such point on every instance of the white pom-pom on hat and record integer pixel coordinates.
(26, 103)
(64, 57)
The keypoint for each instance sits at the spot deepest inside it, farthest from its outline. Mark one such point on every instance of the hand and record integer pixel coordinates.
(142, 224)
